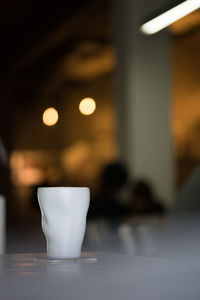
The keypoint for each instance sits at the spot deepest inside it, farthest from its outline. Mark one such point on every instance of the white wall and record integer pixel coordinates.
(143, 93)
(2, 224)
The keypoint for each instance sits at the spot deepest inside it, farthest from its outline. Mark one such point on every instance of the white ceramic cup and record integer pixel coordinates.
(64, 211)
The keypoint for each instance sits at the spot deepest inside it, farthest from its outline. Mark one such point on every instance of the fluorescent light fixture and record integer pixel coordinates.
(170, 16)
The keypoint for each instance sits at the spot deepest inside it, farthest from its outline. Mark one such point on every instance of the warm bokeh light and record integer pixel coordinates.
(50, 116)
(24, 170)
(87, 106)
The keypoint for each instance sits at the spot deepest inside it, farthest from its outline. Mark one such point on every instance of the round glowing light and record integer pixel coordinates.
(50, 116)
(87, 106)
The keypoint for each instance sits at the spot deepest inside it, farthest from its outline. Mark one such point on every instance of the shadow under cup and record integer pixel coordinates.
(64, 211)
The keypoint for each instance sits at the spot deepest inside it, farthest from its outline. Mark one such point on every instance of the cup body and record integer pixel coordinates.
(64, 211)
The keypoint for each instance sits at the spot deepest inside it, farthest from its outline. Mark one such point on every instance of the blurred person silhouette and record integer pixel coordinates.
(188, 199)
(34, 199)
(107, 203)
(144, 201)
(4, 171)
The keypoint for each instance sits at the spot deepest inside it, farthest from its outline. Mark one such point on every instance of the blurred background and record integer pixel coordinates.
(87, 99)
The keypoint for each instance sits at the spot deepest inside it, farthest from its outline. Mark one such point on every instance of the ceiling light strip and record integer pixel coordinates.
(170, 16)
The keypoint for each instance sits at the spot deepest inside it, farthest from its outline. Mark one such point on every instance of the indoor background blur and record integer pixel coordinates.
(140, 118)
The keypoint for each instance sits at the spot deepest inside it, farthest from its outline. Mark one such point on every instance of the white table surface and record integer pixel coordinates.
(113, 276)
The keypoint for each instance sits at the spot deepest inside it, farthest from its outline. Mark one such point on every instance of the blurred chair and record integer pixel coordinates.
(126, 236)
(137, 236)
(188, 200)
(101, 236)
(2, 224)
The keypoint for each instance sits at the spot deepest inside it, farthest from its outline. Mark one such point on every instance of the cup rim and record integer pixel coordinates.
(63, 187)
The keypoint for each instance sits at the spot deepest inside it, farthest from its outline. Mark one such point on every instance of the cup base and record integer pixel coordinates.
(85, 256)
